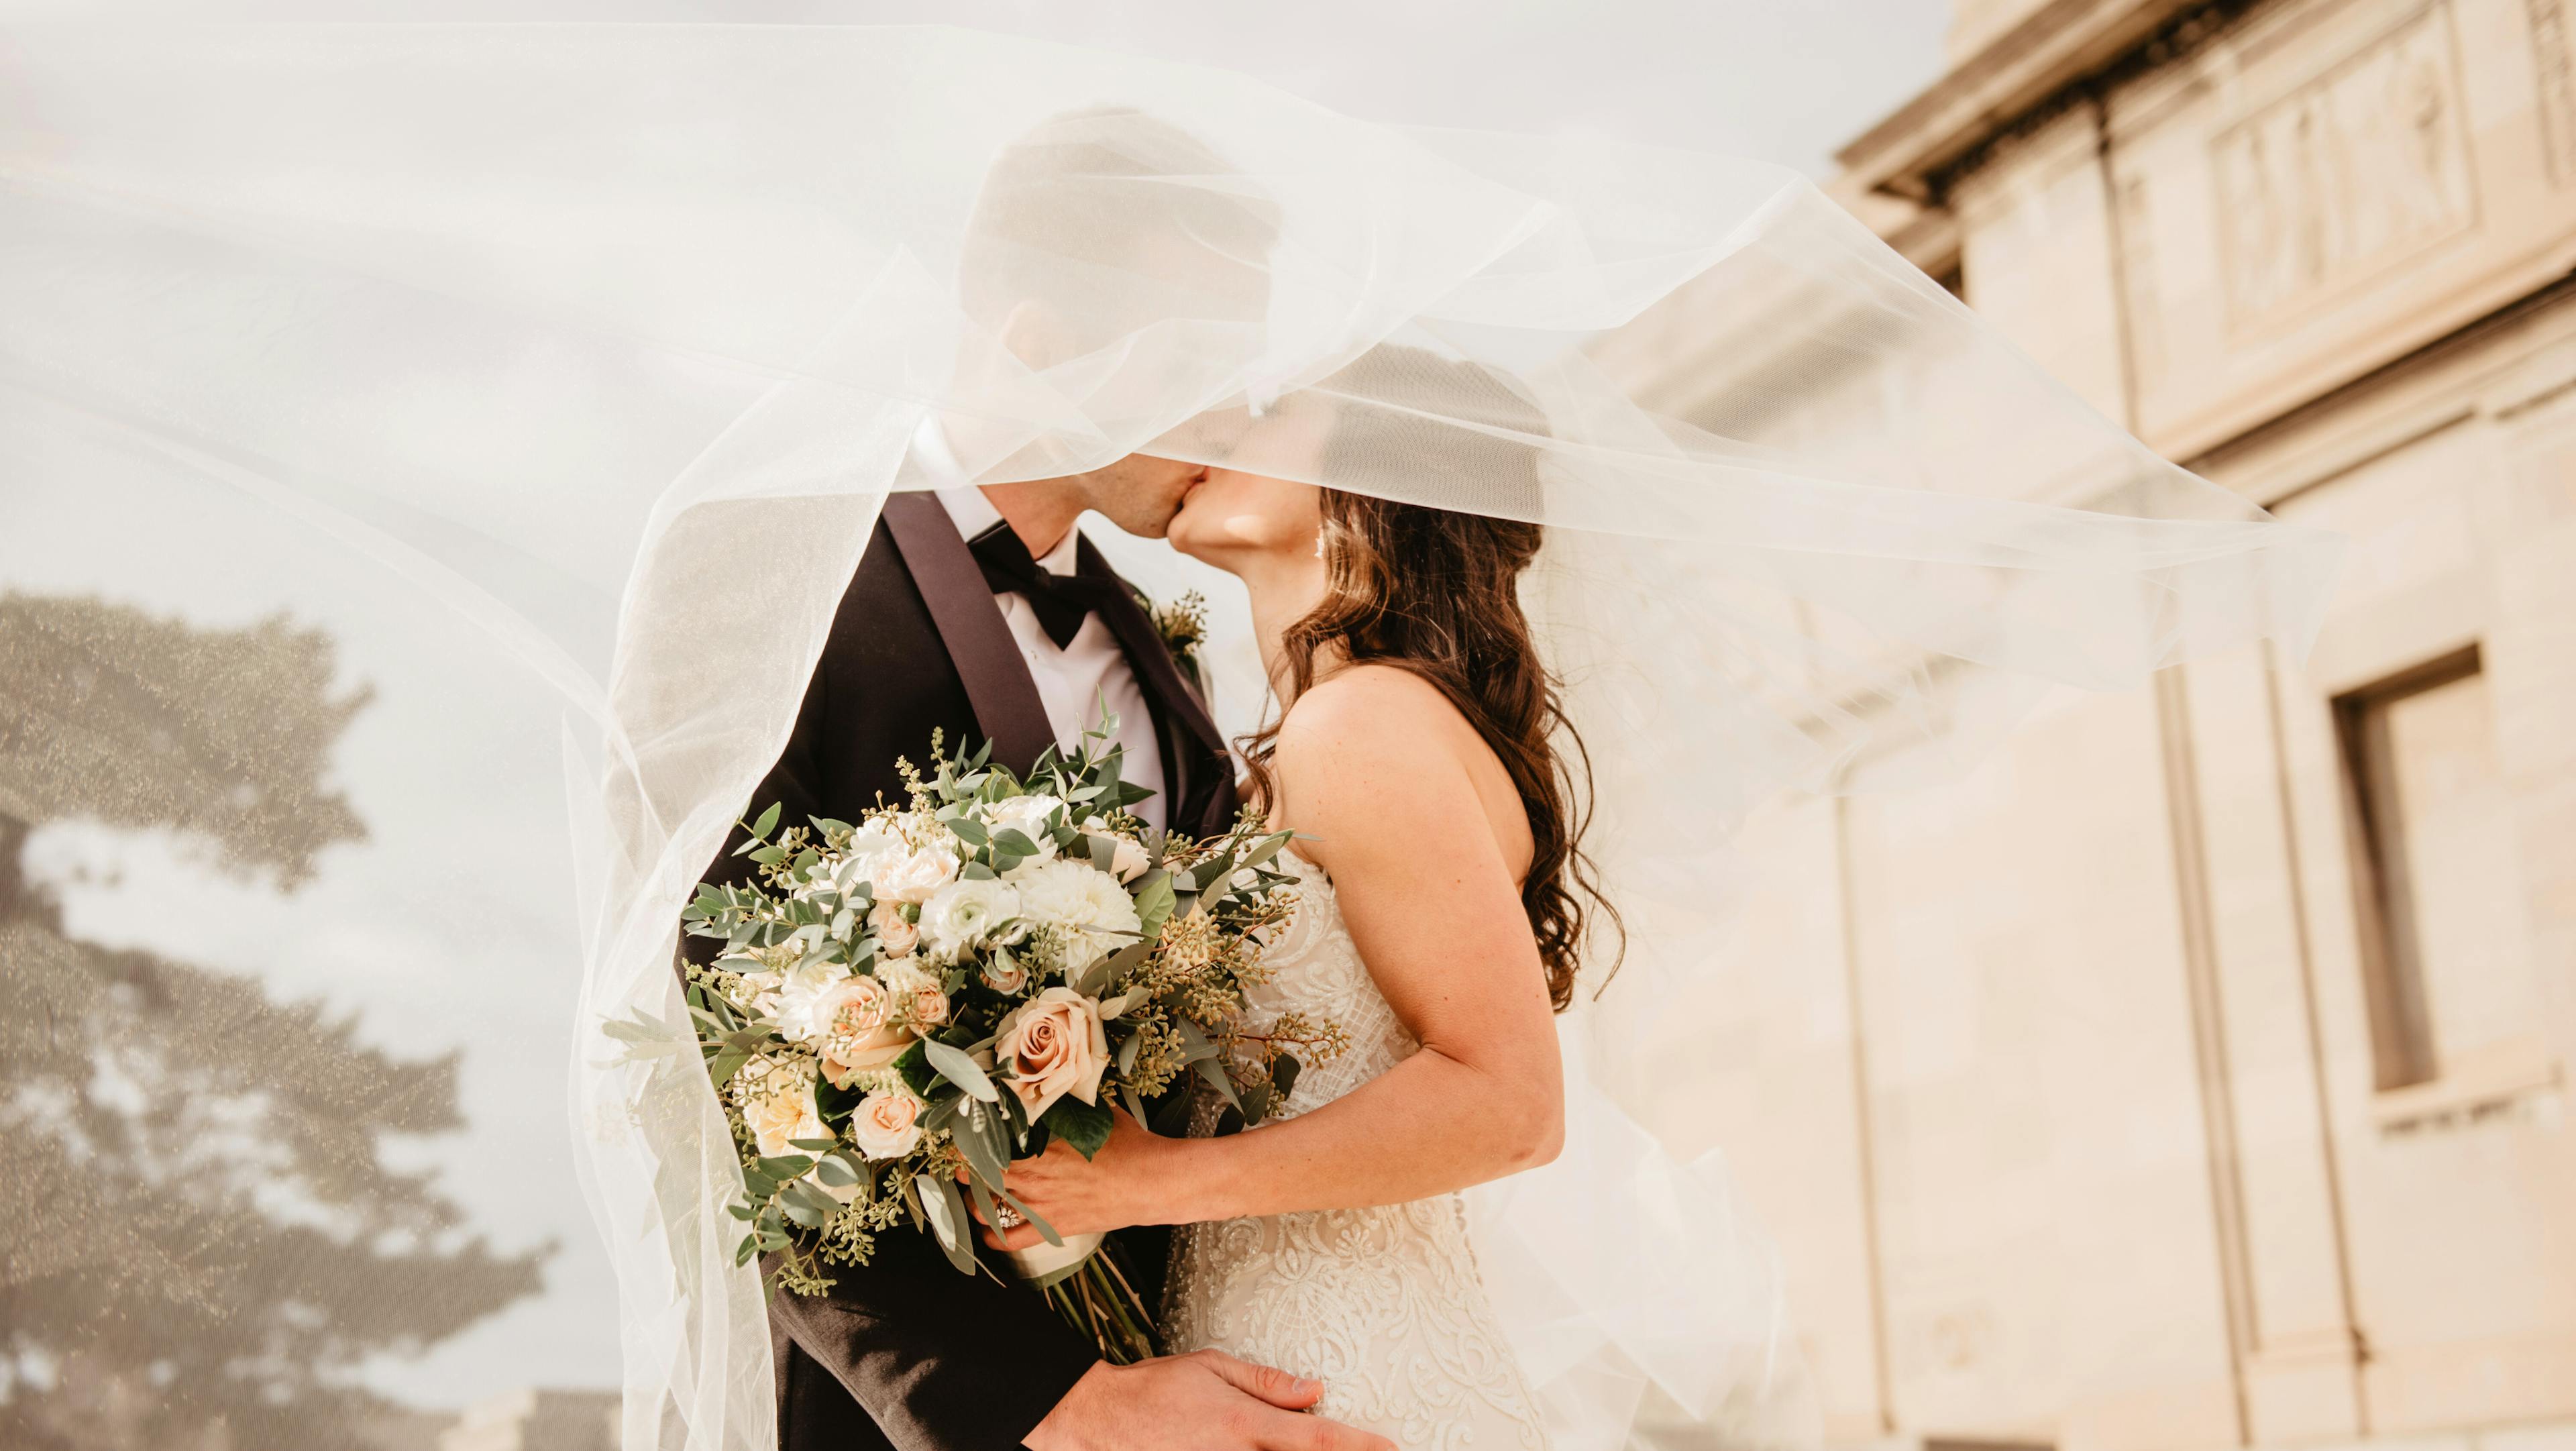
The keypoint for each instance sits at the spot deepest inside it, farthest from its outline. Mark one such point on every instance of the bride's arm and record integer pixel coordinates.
(1369, 767)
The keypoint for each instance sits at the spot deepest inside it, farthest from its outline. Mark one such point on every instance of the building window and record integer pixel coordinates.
(2432, 825)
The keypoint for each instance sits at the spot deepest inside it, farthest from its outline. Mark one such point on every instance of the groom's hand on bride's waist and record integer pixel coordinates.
(1203, 1401)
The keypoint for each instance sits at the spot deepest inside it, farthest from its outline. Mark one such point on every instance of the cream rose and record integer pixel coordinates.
(1131, 861)
(914, 875)
(886, 1125)
(1090, 913)
(1026, 815)
(857, 1034)
(1128, 860)
(965, 915)
(782, 1113)
(896, 936)
(1053, 1045)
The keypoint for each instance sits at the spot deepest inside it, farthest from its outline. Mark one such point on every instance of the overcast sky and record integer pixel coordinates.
(383, 933)
(1786, 80)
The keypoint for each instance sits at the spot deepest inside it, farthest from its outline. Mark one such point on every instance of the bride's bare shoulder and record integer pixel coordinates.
(1376, 760)
(1366, 724)
(1359, 704)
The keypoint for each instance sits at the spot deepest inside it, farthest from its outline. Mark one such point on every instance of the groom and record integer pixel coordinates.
(983, 612)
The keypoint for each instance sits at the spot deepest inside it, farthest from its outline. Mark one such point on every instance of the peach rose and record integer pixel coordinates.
(895, 935)
(1005, 973)
(886, 1125)
(918, 996)
(856, 1035)
(1053, 1045)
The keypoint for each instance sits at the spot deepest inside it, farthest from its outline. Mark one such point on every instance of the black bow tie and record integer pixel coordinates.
(1062, 601)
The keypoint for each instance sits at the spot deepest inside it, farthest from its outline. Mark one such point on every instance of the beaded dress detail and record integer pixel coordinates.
(1384, 1305)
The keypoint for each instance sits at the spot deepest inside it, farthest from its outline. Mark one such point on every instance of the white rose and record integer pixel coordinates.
(896, 936)
(964, 915)
(1091, 914)
(1053, 1045)
(886, 1125)
(914, 875)
(1026, 815)
(871, 849)
(799, 998)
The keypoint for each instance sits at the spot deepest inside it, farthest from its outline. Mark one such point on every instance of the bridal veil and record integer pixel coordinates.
(613, 338)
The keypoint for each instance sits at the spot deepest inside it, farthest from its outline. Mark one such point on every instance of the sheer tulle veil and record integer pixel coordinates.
(613, 338)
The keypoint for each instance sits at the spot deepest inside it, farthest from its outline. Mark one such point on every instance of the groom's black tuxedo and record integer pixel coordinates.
(905, 1352)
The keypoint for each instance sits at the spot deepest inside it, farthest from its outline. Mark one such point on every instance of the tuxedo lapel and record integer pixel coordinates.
(979, 642)
(1196, 767)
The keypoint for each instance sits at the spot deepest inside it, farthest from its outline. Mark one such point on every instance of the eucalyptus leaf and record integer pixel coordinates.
(946, 1212)
(768, 819)
(961, 1070)
(981, 1138)
(1214, 1072)
(807, 1205)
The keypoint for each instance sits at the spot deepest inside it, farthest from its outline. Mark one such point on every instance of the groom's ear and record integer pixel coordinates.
(1036, 334)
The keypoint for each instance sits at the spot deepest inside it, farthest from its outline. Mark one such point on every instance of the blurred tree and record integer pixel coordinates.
(198, 1235)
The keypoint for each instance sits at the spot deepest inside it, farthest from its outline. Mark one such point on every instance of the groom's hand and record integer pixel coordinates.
(1203, 1401)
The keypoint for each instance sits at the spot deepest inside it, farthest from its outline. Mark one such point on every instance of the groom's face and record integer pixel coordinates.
(1140, 493)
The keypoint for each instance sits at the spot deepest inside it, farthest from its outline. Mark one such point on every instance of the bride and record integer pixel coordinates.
(1441, 923)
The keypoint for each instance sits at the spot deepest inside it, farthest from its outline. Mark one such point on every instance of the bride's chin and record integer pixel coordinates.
(1186, 537)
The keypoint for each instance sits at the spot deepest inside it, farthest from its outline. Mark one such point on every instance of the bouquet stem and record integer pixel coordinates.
(1093, 1296)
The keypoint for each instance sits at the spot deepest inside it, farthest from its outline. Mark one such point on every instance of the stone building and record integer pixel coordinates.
(2195, 1074)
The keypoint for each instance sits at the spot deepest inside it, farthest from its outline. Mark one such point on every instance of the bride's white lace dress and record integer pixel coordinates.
(1383, 1305)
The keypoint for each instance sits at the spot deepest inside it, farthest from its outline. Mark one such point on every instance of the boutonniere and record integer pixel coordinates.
(1183, 625)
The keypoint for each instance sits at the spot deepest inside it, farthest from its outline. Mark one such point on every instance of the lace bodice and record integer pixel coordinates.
(1383, 1305)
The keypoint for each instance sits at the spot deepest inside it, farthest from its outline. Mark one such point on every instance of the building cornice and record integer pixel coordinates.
(2064, 45)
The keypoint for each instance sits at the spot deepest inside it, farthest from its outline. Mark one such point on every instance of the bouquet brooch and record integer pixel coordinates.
(910, 1002)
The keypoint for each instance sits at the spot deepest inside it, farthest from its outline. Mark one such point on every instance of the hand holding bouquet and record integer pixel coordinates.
(911, 1002)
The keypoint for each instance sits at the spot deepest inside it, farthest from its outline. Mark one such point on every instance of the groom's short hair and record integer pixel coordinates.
(1091, 194)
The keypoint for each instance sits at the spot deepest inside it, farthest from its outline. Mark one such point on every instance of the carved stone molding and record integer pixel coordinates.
(2352, 173)
(2555, 86)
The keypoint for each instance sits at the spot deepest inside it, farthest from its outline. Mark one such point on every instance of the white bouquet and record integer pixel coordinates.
(908, 1003)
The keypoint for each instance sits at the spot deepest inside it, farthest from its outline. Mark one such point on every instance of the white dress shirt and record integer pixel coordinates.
(1073, 681)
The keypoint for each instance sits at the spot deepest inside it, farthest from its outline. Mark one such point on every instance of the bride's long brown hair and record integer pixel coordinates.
(1436, 593)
